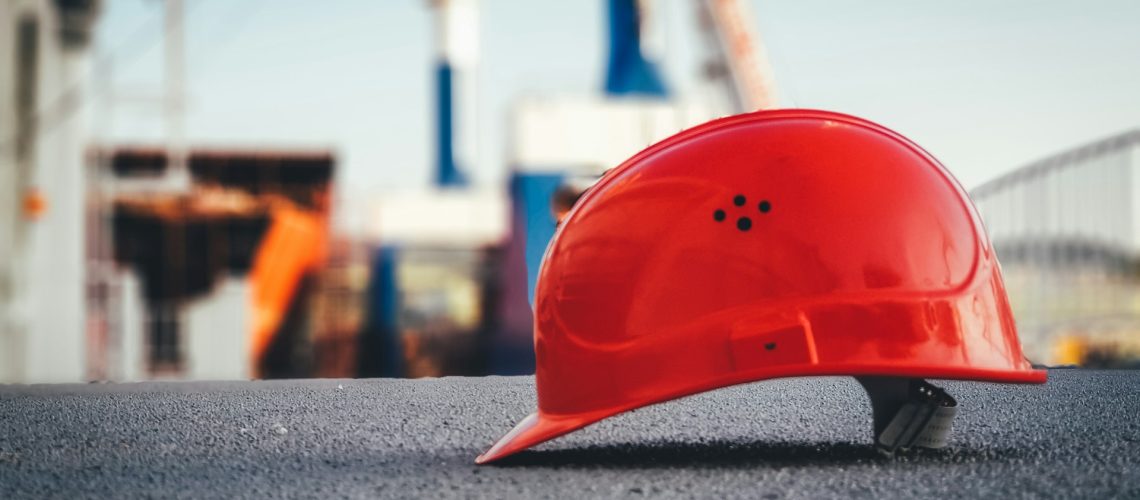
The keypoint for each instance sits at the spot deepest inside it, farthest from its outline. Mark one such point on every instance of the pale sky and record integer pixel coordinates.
(984, 85)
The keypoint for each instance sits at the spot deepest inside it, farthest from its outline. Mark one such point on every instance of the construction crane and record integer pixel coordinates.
(736, 56)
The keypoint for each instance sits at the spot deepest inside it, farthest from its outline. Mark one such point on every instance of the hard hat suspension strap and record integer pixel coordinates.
(909, 413)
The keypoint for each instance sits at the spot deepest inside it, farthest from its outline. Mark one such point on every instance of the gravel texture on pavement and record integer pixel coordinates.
(1076, 437)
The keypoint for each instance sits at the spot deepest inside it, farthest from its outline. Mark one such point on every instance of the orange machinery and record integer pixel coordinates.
(264, 213)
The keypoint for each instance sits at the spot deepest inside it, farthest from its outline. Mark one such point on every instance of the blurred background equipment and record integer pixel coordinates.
(224, 269)
(457, 39)
(1067, 231)
(212, 189)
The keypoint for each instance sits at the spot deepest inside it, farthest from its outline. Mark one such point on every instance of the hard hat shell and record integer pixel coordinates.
(770, 244)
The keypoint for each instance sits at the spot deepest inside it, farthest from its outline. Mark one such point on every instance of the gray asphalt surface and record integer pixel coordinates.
(1077, 437)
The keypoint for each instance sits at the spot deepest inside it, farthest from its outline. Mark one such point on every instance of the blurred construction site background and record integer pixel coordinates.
(229, 189)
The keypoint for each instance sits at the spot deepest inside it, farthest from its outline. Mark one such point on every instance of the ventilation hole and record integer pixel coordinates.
(739, 200)
(744, 223)
(765, 206)
(718, 215)
(770, 346)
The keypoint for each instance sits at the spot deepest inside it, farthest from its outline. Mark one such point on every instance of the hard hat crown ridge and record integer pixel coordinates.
(770, 244)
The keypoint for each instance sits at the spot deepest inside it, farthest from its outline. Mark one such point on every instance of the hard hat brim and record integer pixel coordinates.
(539, 427)
(534, 429)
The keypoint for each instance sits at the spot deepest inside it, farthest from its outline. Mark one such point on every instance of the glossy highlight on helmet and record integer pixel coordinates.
(764, 245)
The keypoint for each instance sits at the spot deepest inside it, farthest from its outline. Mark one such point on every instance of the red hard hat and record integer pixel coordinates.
(771, 244)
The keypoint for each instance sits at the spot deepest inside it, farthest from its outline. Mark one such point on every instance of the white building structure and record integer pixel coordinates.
(44, 56)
